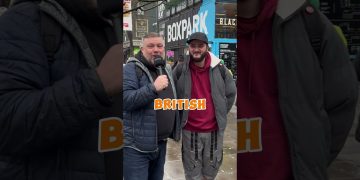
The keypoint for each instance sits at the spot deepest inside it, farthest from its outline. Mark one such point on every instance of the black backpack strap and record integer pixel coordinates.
(178, 70)
(139, 71)
(50, 30)
(314, 27)
(15, 2)
(51, 33)
(223, 69)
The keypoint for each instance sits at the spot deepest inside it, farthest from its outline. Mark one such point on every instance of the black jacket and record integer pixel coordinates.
(317, 95)
(48, 126)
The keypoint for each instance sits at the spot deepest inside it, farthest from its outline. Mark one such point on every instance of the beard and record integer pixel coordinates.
(198, 59)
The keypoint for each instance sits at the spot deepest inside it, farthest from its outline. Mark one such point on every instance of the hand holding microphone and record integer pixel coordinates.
(161, 82)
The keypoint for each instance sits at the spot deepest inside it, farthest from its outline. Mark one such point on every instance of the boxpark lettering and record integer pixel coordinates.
(183, 28)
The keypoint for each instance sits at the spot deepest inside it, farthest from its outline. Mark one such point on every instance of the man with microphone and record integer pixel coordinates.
(147, 77)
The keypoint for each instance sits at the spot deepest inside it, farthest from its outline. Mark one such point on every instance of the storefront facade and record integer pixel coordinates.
(217, 19)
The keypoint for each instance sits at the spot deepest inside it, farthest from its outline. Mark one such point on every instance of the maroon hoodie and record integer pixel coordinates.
(257, 96)
(201, 120)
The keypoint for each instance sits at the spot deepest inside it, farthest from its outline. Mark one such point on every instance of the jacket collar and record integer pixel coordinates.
(286, 8)
(214, 60)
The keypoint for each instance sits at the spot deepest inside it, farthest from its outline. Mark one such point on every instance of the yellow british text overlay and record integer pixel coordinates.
(179, 104)
(111, 135)
(249, 135)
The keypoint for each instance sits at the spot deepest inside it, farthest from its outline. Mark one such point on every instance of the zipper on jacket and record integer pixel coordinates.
(187, 74)
(275, 37)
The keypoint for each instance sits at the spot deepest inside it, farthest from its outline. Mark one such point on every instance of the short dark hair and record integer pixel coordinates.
(151, 35)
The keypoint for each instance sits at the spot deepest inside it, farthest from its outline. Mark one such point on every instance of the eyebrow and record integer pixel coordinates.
(155, 44)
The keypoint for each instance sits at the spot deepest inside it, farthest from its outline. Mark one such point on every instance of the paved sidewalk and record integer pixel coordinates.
(347, 164)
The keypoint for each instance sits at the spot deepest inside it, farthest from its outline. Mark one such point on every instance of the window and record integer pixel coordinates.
(173, 10)
(181, 6)
(190, 2)
(225, 20)
(167, 12)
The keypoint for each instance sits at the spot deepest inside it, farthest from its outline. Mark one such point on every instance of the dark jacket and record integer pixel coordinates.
(140, 124)
(317, 96)
(356, 63)
(49, 126)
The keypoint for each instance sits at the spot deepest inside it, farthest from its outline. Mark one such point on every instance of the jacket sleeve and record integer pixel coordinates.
(340, 86)
(36, 116)
(230, 90)
(134, 96)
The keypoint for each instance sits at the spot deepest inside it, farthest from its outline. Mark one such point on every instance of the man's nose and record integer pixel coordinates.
(156, 49)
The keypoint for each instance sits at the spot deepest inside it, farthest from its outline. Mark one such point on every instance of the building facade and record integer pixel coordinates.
(217, 19)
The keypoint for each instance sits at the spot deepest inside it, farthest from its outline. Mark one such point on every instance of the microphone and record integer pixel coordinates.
(159, 63)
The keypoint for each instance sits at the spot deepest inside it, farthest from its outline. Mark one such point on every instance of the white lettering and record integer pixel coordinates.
(183, 28)
(179, 30)
(173, 28)
(195, 23)
(227, 21)
(169, 33)
(188, 29)
(203, 27)
(176, 31)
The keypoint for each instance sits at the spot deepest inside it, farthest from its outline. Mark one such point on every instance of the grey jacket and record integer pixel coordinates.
(222, 92)
(317, 96)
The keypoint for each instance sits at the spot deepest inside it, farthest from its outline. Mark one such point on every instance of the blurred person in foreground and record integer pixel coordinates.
(295, 103)
(51, 100)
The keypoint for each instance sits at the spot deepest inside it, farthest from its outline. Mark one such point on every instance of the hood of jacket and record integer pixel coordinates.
(249, 25)
(286, 8)
(214, 60)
